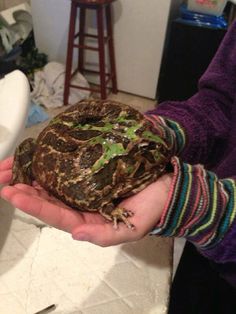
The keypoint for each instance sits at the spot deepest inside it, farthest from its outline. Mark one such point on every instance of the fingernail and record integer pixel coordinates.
(81, 237)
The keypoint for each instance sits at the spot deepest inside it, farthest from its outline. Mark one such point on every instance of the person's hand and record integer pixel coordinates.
(6, 170)
(147, 207)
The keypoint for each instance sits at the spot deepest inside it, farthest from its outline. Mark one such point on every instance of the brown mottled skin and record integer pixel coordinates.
(93, 155)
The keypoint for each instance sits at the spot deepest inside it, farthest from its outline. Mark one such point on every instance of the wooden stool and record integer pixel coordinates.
(101, 7)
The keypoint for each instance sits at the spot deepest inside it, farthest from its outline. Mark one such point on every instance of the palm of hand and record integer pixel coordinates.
(34, 200)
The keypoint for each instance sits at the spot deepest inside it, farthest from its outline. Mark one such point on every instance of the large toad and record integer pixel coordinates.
(93, 155)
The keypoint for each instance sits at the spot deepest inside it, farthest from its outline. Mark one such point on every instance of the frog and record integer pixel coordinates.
(92, 156)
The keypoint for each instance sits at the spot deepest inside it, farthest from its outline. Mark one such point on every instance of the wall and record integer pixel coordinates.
(5, 4)
(139, 30)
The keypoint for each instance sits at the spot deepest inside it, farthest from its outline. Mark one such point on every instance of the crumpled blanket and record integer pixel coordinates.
(48, 86)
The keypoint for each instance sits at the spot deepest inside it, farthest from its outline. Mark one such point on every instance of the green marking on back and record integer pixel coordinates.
(153, 137)
(121, 126)
(58, 120)
(110, 149)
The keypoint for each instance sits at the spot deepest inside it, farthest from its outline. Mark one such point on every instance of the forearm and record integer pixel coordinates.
(206, 117)
(205, 124)
(201, 208)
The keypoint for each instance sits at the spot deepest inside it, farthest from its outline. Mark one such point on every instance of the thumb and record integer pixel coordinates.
(103, 235)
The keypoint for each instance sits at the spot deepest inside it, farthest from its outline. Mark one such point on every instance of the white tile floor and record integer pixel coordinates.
(44, 266)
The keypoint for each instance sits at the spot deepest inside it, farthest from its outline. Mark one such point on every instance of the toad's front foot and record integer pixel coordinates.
(119, 214)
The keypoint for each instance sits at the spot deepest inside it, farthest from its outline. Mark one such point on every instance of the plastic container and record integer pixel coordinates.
(201, 19)
(213, 7)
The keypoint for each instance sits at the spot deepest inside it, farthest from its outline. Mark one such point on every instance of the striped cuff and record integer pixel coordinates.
(200, 207)
(170, 130)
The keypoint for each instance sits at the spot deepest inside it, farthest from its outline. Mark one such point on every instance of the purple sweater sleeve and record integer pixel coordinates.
(208, 120)
(206, 116)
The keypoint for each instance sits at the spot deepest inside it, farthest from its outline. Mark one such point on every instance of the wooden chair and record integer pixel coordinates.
(102, 9)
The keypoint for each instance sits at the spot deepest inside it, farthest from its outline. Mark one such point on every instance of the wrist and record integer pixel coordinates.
(164, 187)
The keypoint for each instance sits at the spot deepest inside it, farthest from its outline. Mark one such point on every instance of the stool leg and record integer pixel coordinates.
(101, 51)
(69, 59)
(111, 48)
(81, 39)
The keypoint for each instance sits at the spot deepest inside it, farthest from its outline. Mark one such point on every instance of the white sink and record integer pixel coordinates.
(14, 104)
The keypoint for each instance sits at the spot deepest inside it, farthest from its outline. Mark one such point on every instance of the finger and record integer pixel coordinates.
(27, 189)
(5, 176)
(6, 164)
(56, 216)
(104, 234)
(35, 191)
(36, 185)
(38, 191)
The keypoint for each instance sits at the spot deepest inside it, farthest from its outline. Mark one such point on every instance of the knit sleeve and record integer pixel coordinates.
(206, 116)
(200, 208)
(170, 130)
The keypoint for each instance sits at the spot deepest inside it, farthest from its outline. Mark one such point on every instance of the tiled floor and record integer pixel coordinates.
(41, 266)
(44, 266)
